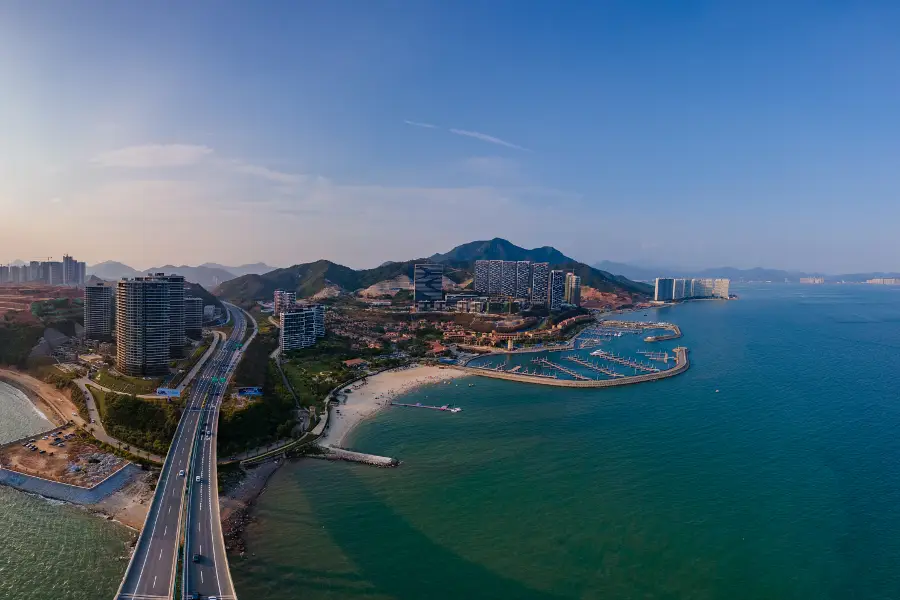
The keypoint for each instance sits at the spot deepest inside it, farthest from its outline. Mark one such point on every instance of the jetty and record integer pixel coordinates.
(682, 364)
(445, 408)
(334, 453)
(627, 362)
(660, 356)
(592, 366)
(552, 365)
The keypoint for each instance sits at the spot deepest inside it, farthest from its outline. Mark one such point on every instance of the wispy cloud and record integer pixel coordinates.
(270, 174)
(153, 156)
(420, 124)
(487, 138)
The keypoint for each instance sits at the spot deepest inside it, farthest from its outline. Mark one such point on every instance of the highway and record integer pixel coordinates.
(152, 569)
(205, 564)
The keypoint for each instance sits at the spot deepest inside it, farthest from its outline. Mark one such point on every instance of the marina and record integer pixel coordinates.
(593, 366)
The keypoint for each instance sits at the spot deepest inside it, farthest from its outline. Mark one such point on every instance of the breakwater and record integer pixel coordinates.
(682, 363)
(332, 453)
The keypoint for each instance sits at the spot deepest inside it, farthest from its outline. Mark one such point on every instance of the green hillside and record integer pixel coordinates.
(309, 278)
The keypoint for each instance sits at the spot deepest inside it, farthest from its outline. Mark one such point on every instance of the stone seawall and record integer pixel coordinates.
(69, 493)
(682, 362)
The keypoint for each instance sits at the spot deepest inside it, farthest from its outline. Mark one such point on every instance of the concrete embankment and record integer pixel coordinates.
(332, 453)
(681, 365)
(66, 492)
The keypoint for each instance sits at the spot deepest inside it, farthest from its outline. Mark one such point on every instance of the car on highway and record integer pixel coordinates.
(198, 479)
(196, 558)
(181, 473)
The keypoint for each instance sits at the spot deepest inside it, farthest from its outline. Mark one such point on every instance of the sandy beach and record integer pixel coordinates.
(48, 400)
(376, 393)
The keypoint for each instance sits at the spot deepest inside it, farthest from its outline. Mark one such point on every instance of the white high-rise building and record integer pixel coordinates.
(495, 277)
(540, 286)
(298, 329)
(664, 289)
(573, 289)
(557, 286)
(508, 277)
(482, 276)
(523, 279)
(284, 300)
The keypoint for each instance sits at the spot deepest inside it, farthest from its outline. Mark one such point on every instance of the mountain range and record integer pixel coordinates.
(208, 275)
(310, 278)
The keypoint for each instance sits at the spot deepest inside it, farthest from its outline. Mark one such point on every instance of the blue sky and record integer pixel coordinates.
(689, 133)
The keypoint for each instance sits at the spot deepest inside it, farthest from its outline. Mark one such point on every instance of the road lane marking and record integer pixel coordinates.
(160, 554)
(154, 582)
(201, 576)
(166, 531)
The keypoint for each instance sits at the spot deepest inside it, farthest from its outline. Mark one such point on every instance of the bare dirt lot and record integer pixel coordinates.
(72, 460)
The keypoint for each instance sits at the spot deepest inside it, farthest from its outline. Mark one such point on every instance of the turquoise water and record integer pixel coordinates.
(783, 484)
(49, 549)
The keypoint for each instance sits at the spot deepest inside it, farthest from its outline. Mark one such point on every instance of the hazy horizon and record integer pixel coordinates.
(649, 133)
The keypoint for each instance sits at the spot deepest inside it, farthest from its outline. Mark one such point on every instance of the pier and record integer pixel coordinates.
(682, 364)
(333, 453)
(660, 356)
(445, 408)
(592, 366)
(627, 362)
(552, 365)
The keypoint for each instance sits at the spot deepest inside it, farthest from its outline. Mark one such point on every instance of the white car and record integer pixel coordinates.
(197, 479)
(181, 473)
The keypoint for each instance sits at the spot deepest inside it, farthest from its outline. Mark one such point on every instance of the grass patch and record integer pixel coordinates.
(147, 424)
(127, 385)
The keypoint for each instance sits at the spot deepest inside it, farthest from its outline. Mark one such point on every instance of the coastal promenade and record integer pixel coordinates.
(682, 363)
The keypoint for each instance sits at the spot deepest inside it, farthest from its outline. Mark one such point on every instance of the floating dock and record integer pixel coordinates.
(592, 366)
(552, 365)
(627, 362)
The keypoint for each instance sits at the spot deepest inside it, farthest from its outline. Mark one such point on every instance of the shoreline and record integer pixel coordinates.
(32, 391)
(376, 393)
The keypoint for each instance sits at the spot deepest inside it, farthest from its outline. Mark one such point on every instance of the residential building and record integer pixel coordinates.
(70, 269)
(540, 283)
(319, 320)
(298, 329)
(15, 274)
(495, 277)
(523, 278)
(284, 300)
(4, 274)
(665, 289)
(80, 273)
(482, 276)
(508, 272)
(98, 312)
(176, 312)
(720, 288)
(702, 288)
(52, 272)
(193, 317)
(143, 323)
(812, 280)
(34, 270)
(573, 289)
(428, 282)
(557, 285)
(681, 289)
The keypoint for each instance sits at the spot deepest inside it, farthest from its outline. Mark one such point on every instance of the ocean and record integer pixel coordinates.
(49, 549)
(771, 469)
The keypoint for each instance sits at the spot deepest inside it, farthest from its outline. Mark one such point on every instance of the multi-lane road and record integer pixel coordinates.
(152, 570)
(206, 566)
